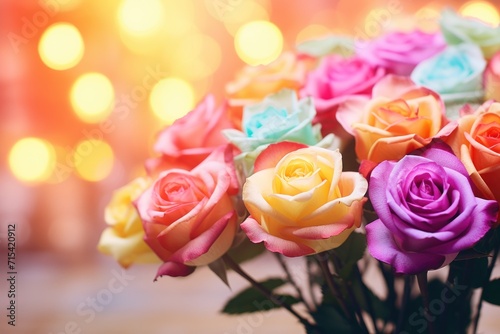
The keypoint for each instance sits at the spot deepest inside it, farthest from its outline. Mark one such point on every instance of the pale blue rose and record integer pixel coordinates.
(456, 73)
(457, 29)
(279, 117)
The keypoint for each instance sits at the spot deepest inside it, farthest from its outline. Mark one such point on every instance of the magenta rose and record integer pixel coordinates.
(427, 210)
(335, 80)
(189, 217)
(400, 52)
(190, 139)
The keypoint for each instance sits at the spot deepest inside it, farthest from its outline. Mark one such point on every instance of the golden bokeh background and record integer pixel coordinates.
(86, 85)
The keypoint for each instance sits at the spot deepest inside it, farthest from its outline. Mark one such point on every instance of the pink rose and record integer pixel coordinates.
(492, 78)
(336, 79)
(191, 138)
(188, 216)
(400, 52)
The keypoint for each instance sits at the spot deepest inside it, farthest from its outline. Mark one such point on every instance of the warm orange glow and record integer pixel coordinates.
(196, 57)
(312, 31)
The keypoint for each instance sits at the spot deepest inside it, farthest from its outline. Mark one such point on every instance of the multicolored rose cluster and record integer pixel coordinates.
(267, 163)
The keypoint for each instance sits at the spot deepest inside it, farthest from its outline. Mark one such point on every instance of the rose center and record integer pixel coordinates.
(298, 168)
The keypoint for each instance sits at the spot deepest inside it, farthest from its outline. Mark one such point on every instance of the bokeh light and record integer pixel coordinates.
(171, 98)
(61, 46)
(93, 159)
(32, 159)
(140, 16)
(481, 10)
(258, 42)
(92, 97)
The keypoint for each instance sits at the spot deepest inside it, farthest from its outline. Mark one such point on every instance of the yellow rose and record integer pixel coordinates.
(300, 202)
(124, 238)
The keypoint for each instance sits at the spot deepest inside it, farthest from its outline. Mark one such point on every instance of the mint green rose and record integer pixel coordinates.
(279, 117)
(455, 73)
(458, 29)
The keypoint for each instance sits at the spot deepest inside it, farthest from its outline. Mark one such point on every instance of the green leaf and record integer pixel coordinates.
(492, 292)
(332, 44)
(380, 309)
(352, 249)
(246, 250)
(329, 319)
(350, 252)
(251, 300)
(480, 270)
(219, 268)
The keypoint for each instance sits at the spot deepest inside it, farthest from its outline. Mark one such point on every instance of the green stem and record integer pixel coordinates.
(263, 290)
(368, 299)
(391, 291)
(292, 281)
(404, 302)
(309, 263)
(480, 303)
(424, 290)
(334, 288)
(359, 313)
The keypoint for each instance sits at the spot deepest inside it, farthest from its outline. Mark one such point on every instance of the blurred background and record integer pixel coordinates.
(85, 86)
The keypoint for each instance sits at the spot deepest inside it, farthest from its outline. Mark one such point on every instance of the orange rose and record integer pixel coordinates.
(399, 118)
(253, 83)
(476, 141)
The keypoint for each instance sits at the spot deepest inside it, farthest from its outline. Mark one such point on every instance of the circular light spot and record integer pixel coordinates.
(92, 97)
(61, 46)
(140, 16)
(258, 42)
(32, 159)
(482, 10)
(93, 159)
(171, 99)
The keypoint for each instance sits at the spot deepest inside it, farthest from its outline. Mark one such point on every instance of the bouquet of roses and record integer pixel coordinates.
(380, 155)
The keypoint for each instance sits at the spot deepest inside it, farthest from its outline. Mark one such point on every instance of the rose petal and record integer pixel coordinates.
(383, 247)
(174, 269)
(270, 157)
(256, 234)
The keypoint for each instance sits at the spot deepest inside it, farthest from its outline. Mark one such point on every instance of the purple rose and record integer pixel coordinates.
(427, 210)
(400, 52)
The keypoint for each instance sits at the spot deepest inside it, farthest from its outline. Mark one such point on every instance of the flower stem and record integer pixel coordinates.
(334, 288)
(338, 265)
(480, 303)
(292, 281)
(263, 290)
(368, 299)
(309, 264)
(424, 290)
(404, 302)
